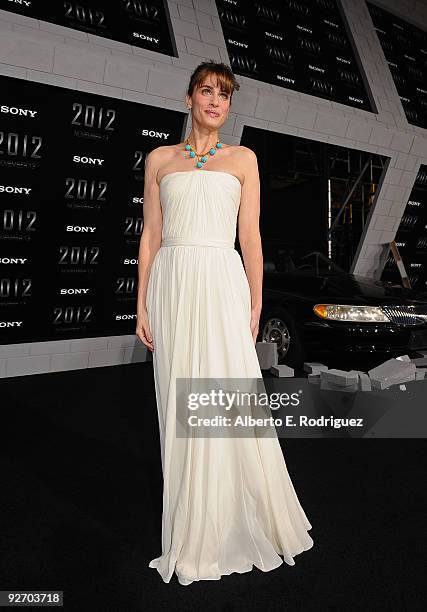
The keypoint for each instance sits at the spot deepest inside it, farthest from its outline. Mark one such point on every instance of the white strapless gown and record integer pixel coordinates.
(228, 503)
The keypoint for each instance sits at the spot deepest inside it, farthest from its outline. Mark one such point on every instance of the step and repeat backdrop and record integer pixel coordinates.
(138, 23)
(298, 44)
(405, 49)
(71, 203)
(72, 163)
(411, 238)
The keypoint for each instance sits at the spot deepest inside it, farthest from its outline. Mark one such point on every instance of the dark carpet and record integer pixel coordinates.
(82, 502)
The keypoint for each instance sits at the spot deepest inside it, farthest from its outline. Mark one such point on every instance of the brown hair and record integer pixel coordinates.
(225, 77)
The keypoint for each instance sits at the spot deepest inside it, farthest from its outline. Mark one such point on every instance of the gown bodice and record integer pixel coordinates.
(199, 207)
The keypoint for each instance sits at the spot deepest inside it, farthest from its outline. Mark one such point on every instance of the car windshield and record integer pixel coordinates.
(291, 259)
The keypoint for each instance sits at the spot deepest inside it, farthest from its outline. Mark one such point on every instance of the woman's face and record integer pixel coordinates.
(210, 104)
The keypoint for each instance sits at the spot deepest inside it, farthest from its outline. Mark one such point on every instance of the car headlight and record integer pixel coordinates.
(356, 314)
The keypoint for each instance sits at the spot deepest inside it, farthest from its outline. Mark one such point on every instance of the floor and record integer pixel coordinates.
(81, 507)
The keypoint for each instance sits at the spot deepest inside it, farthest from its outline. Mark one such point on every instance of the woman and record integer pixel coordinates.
(228, 502)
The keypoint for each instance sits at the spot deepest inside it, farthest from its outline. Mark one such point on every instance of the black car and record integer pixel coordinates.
(311, 307)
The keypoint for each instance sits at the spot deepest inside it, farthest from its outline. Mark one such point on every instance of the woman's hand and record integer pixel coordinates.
(143, 330)
(255, 315)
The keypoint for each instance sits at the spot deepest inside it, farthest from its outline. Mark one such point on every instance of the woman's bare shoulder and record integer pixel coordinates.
(245, 152)
(245, 162)
(161, 156)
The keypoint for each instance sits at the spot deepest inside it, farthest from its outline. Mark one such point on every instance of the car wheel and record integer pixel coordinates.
(278, 325)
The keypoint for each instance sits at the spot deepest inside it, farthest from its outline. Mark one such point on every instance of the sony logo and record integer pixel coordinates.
(331, 23)
(84, 229)
(421, 90)
(273, 35)
(73, 291)
(88, 160)
(21, 2)
(341, 59)
(355, 99)
(130, 261)
(13, 260)
(316, 68)
(153, 134)
(13, 110)
(286, 79)
(137, 200)
(237, 43)
(414, 203)
(304, 29)
(145, 37)
(10, 323)
(10, 189)
(125, 317)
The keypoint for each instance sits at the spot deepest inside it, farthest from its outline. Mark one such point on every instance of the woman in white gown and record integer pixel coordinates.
(228, 503)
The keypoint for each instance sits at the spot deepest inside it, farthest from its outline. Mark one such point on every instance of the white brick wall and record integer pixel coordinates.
(54, 356)
(47, 53)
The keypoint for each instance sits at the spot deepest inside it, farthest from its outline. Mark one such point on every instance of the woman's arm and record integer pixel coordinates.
(150, 241)
(249, 234)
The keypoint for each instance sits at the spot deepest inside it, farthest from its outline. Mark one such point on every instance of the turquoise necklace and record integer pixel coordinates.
(204, 156)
